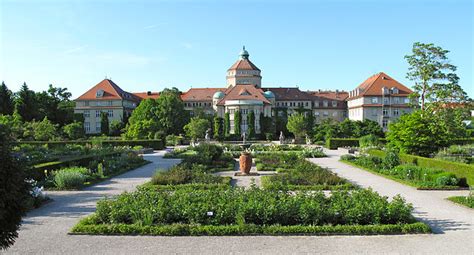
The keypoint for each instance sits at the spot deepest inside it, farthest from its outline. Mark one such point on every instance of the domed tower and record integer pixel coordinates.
(244, 72)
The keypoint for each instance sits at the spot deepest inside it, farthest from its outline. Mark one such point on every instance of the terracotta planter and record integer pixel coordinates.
(245, 161)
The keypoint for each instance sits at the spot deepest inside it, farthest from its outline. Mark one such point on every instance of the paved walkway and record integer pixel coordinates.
(45, 229)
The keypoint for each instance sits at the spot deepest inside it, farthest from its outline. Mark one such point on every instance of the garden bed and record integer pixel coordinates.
(467, 201)
(250, 212)
(419, 177)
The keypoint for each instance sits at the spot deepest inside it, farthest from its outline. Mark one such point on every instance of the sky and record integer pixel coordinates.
(150, 45)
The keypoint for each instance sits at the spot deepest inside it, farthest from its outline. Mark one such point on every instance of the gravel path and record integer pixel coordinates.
(45, 229)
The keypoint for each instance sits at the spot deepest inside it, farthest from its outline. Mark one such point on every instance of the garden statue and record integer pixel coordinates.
(208, 135)
(308, 140)
(282, 137)
(244, 137)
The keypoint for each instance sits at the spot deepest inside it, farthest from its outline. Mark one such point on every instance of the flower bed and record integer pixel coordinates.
(467, 201)
(253, 211)
(419, 177)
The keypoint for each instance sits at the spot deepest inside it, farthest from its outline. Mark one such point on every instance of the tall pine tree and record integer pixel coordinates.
(6, 100)
(26, 104)
(251, 124)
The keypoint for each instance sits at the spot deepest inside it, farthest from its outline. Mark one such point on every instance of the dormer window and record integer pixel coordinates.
(394, 90)
(99, 93)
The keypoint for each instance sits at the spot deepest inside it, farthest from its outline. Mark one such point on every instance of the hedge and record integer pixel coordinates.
(86, 226)
(155, 144)
(461, 170)
(334, 143)
(38, 170)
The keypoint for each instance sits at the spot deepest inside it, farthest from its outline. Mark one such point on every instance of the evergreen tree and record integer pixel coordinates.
(13, 189)
(226, 124)
(218, 128)
(26, 104)
(237, 123)
(104, 123)
(6, 100)
(251, 124)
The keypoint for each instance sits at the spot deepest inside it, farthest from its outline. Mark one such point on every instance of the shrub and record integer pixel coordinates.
(183, 174)
(348, 157)
(334, 143)
(390, 160)
(457, 153)
(70, 178)
(368, 141)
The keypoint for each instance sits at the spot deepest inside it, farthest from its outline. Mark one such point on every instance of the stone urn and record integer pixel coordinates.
(245, 161)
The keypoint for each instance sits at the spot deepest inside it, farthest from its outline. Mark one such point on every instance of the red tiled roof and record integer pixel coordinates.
(244, 92)
(289, 94)
(374, 84)
(111, 92)
(200, 94)
(147, 95)
(332, 95)
(244, 64)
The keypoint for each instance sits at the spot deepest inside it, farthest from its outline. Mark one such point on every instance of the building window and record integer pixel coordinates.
(385, 112)
(316, 103)
(87, 114)
(374, 100)
(110, 113)
(407, 100)
(97, 127)
(384, 123)
(334, 114)
(109, 103)
(86, 103)
(325, 103)
(87, 127)
(386, 100)
(374, 112)
(396, 100)
(99, 93)
(97, 114)
(325, 113)
(396, 112)
(316, 114)
(334, 104)
(306, 103)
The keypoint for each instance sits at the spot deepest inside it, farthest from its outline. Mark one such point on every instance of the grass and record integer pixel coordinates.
(462, 200)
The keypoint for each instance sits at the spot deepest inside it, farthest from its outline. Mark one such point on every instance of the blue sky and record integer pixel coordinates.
(150, 45)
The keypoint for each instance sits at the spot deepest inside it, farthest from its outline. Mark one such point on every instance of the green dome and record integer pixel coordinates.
(218, 95)
(269, 94)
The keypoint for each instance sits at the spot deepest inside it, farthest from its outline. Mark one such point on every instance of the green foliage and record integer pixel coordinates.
(74, 130)
(196, 128)
(390, 160)
(251, 124)
(173, 140)
(26, 104)
(457, 153)
(218, 128)
(6, 100)
(253, 206)
(346, 129)
(41, 131)
(226, 124)
(368, 141)
(13, 190)
(70, 178)
(334, 143)
(466, 201)
(144, 122)
(170, 111)
(297, 125)
(115, 128)
(185, 174)
(104, 123)
(237, 123)
(420, 133)
(434, 76)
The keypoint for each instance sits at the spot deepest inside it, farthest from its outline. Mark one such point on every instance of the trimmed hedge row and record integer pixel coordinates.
(461, 170)
(155, 144)
(86, 226)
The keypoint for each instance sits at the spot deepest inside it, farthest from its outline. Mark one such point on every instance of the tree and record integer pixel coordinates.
(266, 126)
(104, 123)
(368, 127)
(13, 189)
(144, 122)
(309, 119)
(226, 124)
(196, 128)
(43, 130)
(435, 78)
(251, 124)
(6, 100)
(218, 128)
(26, 104)
(74, 130)
(115, 127)
(237, 122)
(420, 133)
(297, 125)
(170, 111)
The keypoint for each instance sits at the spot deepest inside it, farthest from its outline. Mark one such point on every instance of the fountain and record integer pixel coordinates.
(245, 159)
